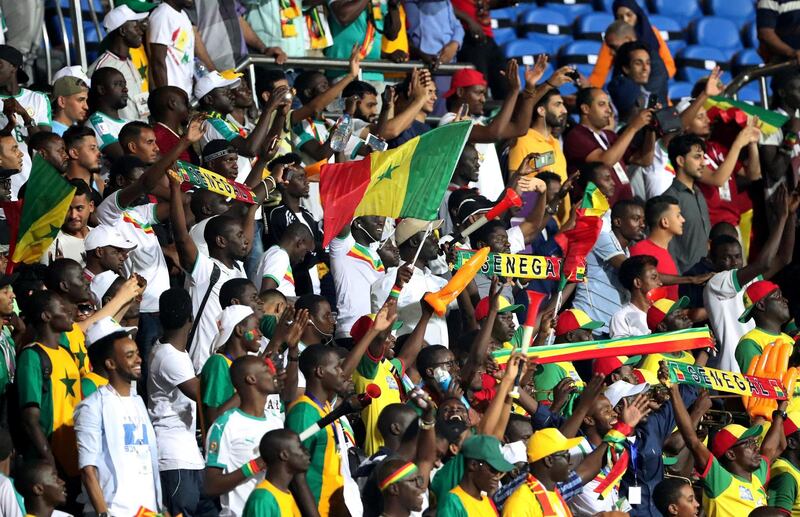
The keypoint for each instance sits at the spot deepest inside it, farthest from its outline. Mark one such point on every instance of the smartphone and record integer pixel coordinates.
(376, 143)
(652, 102)
(543, 160)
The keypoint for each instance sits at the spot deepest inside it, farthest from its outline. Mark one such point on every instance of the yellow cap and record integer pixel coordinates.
(549, 441)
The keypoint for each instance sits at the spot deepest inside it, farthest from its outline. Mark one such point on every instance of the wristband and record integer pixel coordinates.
(250, 469)
(395, 292)
(424, 426)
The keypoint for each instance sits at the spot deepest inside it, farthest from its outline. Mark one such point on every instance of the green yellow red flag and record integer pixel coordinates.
(44, 208)
(407, 181)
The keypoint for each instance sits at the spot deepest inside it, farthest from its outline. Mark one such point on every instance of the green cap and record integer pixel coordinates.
(137, 6)
(486, 448)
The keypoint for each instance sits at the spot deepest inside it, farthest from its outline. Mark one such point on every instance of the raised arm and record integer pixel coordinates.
(719, 177)
(492, 421)
(699, 451)
(373, 340)
(616, 151)
(318, 103)
(187, 249)
(499, 127)
(480, 346)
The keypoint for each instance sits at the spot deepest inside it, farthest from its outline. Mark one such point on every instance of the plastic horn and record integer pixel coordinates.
(510, 199)
(442, 298)
(534, 300)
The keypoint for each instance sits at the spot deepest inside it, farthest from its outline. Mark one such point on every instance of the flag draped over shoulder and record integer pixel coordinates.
(729, 110)
(44, 208)
(408, 181)
(577, 242)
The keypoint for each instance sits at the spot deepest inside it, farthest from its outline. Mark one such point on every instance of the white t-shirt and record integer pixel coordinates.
(135, 224)
(138, 474)
(174, 415)
(630, 320)
(408, 308)
(37, 104)
(199, 279)
(71, 248)
(174, 30)
(106, 128)
(197, 233)
(233, 441)
(276, 266)
(9, 504)
(355, 268)
(658, 176)
(137, 97)
(722, 297)
(588, 502)
(490, 176)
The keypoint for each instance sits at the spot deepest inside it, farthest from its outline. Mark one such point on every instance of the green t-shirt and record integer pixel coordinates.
(448, 477)
(344, 37)
(549, 375)
(727, 495)
(782, 492)
(7, 359)
(215, 381)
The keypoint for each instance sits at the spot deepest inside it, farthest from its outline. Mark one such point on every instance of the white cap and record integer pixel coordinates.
(409, 227)
(105, 235)
(104, 327)
(683, 104)
(72, 71)
(101, 283)
(227, 320)
(621, 389)
(212, 80)
(119, 15)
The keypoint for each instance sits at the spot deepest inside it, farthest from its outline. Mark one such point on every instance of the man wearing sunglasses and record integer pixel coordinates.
(735, 471)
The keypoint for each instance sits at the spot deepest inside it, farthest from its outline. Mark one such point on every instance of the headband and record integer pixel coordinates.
(398, 475)
(219, 154)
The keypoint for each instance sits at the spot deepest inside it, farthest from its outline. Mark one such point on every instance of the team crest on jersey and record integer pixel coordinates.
(745, 494)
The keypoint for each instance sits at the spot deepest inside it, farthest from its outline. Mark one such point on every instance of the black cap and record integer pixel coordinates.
(14, 56)
(6, 280)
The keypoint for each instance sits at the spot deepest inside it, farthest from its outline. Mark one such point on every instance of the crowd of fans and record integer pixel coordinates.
(172, 347)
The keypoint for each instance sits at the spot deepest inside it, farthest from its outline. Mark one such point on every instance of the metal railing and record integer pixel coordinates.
(760, 74)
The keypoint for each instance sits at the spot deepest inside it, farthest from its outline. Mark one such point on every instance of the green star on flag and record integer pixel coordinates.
(388, 174)
(68, 384)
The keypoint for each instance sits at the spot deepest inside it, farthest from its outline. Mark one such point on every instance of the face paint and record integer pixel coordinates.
(249, 335)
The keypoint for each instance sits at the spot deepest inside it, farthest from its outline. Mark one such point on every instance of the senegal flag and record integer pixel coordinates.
(408, 181)
(594, 203)
(739, 112)
(44, 208)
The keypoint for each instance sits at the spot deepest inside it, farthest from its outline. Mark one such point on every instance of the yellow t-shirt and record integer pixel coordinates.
(727, 495)
(535, 142)
(75, 342)
(458, 503)
(372, 371)
(267, 500)
(523, 503)
(753, 343)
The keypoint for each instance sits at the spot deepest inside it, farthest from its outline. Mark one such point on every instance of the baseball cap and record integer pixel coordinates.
(6, 280)
(101, 283)
(574, 319)
(69, 85)
(483, 447)
(754, 293)
(660, 308)
(228, 319)
(364, 323)
(791, 424)
(621, 389)
(465, 78)
(646, 376)
(210, 81)
(409, 227)
(103, 328)
(547, 441)
(138, 6)
(14, 56)
(730, 435)
(503, 306)
(72, 71)
(117, 16)
(606, 365)
(105, 235)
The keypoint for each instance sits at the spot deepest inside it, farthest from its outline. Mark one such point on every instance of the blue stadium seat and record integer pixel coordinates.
(92, 37)
(679, 9)
(746, 58)
(679, 90)
(545, 26)
(750, 35)
(571, 11)
(605, 5)
(581, 54)
(738, 11)
(525, 52)
(720, 33)
(696, 61)
(504, 24)
(671, 30)
(592, 26)
(750, 92)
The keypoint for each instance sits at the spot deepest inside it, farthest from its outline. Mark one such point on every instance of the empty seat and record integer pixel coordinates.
(592, 26)
(679, 90)
(745, 59)
(581, 54)
(605, 5)
(679, 9)
(750, 92)
(696, 61)
(671, 31)
(504, 23)
(525, 52)
(570, 9)
(738, 11)
(545, 26)
(720, 33)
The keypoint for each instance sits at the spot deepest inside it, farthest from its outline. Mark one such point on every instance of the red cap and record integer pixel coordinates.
(574, 319)
(605, 366)
(465, 78)
(503, 305)
(729, 435)
(754, 293)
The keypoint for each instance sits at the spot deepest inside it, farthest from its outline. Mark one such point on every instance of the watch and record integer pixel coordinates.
(780, 413)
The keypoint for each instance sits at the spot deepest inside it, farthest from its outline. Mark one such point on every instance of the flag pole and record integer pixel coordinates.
(428, 229)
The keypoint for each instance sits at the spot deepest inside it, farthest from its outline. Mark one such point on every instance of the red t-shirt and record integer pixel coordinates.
(470, 8)
(725, 204)
(580, 142)
(666, 264)
(167, 139)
